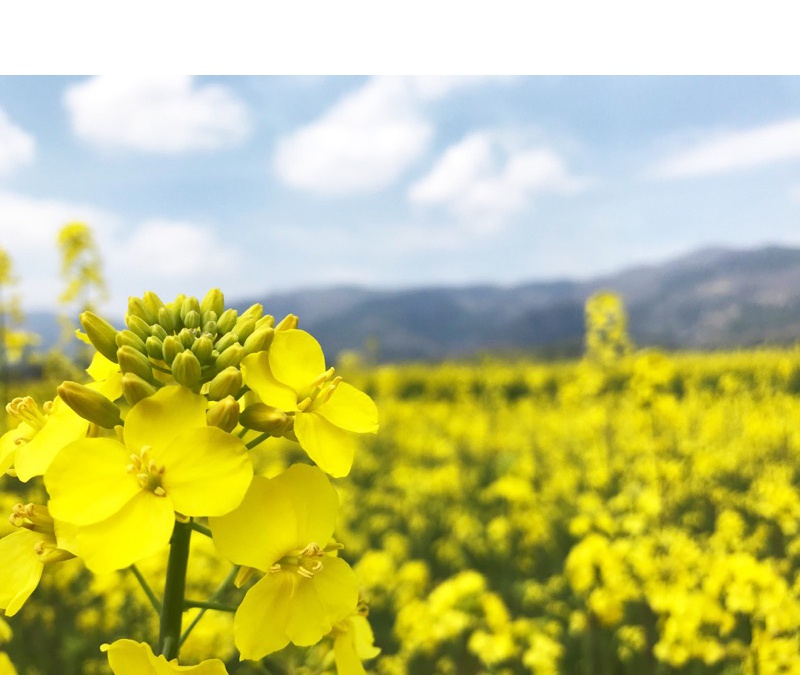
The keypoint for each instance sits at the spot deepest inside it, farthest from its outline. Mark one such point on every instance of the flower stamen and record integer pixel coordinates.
(148, 473)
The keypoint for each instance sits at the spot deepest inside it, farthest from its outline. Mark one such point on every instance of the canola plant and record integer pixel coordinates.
(632, 512)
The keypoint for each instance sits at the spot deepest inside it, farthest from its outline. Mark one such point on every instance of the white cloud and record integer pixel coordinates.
(734, 150)
(170, 249)
(368, 138)
(163, 115)
(361, 144)
(485, 179)
(17, 147)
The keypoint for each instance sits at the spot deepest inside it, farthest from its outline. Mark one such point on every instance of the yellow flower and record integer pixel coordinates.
(123, 496)
(283, 528)
(352, 644)
(41, 434)
(24, 554)
(326, 412)
(127, 657)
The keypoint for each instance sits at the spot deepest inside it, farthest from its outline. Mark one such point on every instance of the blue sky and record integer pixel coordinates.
(260, 184)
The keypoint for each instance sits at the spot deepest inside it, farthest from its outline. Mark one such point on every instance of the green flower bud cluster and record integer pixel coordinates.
(189, 341)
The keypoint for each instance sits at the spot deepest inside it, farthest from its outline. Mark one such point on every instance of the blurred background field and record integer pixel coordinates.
(629, 511)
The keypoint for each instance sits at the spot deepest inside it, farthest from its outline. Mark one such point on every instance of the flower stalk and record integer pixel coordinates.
(169, 638)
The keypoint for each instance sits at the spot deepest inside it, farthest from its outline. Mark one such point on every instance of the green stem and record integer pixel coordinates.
(146, 588)
(169, 637)
(206, 604)
(257, 440)
(226, 582)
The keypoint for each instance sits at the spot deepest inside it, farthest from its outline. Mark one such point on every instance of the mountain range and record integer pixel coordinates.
(713, 298)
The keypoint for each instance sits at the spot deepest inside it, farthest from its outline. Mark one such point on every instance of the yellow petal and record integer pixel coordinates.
(256, 375)
(351, 409)
(21, 569)
(295, 358)
(8, 444)
(6, 667)
(344, 651)
(157, 419)
(300, 505)
(321, 602)
(88, 481)
(102, 368)
(141, 528)
(207, 471)
(258, 547)
(127, 657)
(331, 448)
(110, 387)
(62, 427)
(363, 637)
(259, 626)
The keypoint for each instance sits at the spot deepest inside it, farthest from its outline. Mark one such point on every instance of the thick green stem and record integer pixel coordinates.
(169, 638)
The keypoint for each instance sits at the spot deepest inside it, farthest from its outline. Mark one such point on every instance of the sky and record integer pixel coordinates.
(262, 184)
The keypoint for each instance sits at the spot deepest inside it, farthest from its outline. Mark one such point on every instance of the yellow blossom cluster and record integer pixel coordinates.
(167, 440)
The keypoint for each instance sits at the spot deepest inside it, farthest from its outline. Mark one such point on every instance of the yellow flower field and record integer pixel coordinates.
(639, 515)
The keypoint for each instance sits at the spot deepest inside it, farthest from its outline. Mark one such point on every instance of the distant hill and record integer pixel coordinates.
(713, 298)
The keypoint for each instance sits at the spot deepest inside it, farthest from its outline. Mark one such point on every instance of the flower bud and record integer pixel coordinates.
(133, 361)
(134, 388)
(211, 328)
(187, 337)
(90, 404)
(129, 338)
(260, 340)
(186, 369)
(158, 331)
(155, 348)
(202, 349)
(227, 382)
(230, 357)
(189, 304)
(266, 418)
(266, 320)
(254, 312)
(172, 347)
(174, 308)
(224, 414)
(192, 319)
(244, 328)
(136, 307)
(153, 304)
(101, 334)
(288, 322)
(226, 321)
(214, 301)
(226, 341)
(209, 315)
(166, 319)
(138, 326)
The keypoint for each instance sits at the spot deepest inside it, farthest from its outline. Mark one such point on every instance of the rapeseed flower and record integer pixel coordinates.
(352, 644)
(127, 657)
(322, 412)
(305, 589)
(24, 554)
(123, 495)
